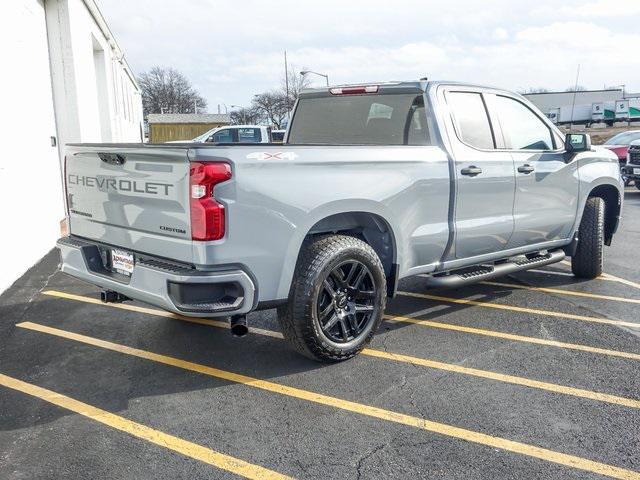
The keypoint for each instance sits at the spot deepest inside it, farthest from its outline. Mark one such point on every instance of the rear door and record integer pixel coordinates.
(546, 185)
(484, 175)
(136, 198)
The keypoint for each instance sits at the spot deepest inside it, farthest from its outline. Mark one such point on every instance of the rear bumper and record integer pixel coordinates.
(173, 287)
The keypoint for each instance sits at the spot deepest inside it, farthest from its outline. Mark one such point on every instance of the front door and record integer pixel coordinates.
(546, 185)
(484, 175)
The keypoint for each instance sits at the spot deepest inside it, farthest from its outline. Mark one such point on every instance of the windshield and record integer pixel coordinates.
(624, 138)
(387, 119)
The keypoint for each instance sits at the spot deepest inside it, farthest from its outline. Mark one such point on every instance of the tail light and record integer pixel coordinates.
(354, 90)
(207, 215)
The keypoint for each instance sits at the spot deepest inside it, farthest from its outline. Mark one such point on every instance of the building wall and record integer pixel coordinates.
(64, 78)
(166, 132)
(30, 195)
(547, 101)
(95, 98)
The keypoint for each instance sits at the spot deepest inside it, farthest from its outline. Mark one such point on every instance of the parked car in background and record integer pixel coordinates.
(277, 136)
(619, 144)
(233, 134)
(631, 171)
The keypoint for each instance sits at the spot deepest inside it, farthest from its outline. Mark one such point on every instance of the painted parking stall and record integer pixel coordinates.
(530, 375)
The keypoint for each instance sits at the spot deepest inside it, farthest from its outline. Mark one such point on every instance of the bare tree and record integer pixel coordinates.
(296, 83)
(165, 90)
(272, 107)
(245, 116)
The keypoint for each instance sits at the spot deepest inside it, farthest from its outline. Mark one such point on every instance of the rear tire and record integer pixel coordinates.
(589, 257)
(334, 311)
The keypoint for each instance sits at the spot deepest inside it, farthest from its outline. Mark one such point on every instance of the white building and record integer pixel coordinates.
(547, 101)
(64, 79)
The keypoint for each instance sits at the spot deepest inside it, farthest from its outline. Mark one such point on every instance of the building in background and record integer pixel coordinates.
(166, 127)
(64, 80)
(584, 106)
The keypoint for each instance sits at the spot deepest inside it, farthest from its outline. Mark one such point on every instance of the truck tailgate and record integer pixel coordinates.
(134, 197)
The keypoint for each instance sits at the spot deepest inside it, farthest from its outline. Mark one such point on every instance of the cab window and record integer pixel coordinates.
(222, 136)
(522, 129)
(471, 119)
(249, 135)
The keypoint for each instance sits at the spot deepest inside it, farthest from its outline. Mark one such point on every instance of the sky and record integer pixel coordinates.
(231, 50)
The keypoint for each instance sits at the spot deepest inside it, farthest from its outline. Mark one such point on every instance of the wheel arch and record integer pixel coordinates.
(370, 227)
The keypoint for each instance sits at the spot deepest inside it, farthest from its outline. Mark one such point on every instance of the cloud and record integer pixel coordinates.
(500, 34)
(607, 8)
(232, 51)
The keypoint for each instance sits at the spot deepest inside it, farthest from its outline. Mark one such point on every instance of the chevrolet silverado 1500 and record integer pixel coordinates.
(373, 183)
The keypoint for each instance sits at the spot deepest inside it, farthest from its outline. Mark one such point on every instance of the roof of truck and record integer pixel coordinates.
(411, 85)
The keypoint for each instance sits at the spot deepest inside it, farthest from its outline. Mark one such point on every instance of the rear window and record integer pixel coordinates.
(249, 135)
(391, 119)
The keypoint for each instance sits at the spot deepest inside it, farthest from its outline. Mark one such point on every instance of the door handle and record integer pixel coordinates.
(471, 171)
(526, 168)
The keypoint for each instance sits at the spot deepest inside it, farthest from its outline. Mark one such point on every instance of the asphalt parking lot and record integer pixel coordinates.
(532, 376)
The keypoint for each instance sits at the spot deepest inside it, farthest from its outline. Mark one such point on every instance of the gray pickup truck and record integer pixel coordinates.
(373, 184)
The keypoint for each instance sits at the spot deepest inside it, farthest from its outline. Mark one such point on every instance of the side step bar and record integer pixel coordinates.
(466, 276)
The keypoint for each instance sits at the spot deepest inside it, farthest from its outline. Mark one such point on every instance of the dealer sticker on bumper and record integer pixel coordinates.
(122, 262)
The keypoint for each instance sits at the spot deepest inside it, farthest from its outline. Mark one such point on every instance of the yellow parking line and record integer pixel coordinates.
(389, 318)
(525, 382)
(562, 292)
(509, 336)
(513, 308)
(354, 407)
(624, 281)
(551, 387)
(184, 447)
(553, 272)
(153, 311)
(613, 278)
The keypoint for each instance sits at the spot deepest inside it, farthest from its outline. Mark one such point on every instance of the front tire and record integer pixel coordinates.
(336, 300)
(589, 257)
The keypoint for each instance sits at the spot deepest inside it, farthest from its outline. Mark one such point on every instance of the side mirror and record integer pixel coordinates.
(577, 142)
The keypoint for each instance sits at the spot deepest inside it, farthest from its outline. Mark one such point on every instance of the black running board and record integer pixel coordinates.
(458, 278)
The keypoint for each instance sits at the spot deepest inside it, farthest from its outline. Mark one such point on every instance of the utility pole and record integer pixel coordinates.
(286, 85)
(195, 106)
(573, 105)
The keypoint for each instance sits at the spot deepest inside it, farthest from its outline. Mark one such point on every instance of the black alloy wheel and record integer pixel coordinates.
(346, 302)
